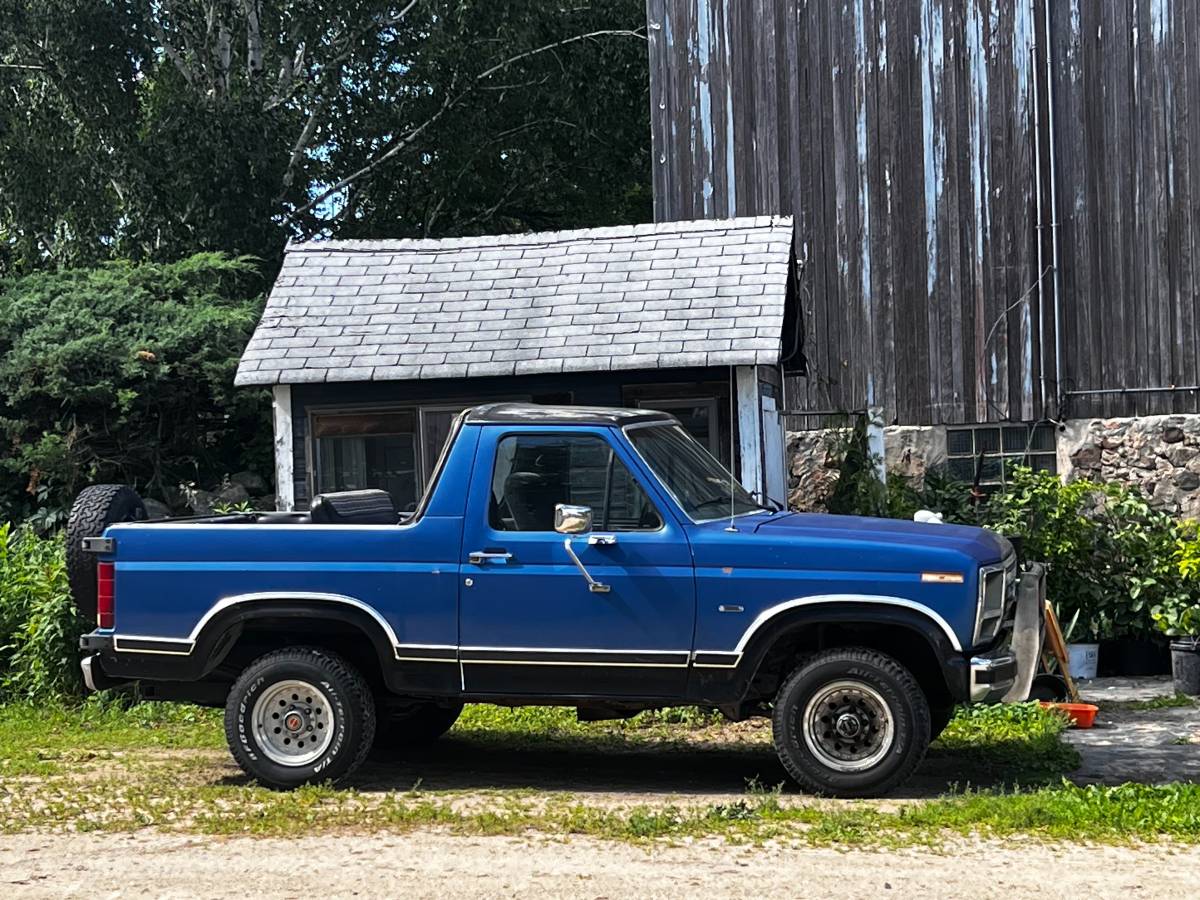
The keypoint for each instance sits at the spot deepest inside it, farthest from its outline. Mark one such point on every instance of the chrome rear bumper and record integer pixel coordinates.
(94, 676)
(89, 677)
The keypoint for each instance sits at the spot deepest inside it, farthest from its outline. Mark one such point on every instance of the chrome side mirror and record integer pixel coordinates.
(570, 519)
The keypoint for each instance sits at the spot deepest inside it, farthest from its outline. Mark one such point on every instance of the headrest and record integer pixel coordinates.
(370, 507)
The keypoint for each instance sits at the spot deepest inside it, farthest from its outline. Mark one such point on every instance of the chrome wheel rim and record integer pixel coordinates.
(848, 726)
(292, 722)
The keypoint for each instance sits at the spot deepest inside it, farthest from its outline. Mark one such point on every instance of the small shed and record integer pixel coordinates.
(371, 348)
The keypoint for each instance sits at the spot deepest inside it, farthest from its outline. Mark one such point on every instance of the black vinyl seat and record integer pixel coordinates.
(369, 507)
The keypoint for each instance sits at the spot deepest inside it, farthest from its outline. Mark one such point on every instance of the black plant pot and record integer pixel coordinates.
(1135, 657)
(1185, 665)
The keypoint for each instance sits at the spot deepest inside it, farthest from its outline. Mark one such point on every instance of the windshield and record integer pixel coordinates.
(699, 483)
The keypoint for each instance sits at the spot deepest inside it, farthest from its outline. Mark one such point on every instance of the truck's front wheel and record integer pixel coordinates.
(299, 715)
(851, 723)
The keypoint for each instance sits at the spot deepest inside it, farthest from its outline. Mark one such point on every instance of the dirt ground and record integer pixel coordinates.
(1137, 745)
(436, 865)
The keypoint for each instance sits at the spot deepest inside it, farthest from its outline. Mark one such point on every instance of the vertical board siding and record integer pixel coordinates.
(1127, 85)
(904, 137)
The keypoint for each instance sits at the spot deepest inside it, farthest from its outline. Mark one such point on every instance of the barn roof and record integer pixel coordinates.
(632, 297)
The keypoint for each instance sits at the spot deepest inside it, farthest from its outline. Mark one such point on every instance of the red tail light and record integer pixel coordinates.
(104, 594)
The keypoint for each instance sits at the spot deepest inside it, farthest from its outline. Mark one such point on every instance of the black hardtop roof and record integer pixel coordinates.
(535, 414)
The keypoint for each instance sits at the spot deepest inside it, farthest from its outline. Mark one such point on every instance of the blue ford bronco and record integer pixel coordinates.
(573, 556)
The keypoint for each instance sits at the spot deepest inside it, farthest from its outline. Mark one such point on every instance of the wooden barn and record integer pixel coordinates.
(996, 218)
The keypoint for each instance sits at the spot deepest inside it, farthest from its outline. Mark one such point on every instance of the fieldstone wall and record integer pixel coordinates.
(1158, 454)
(813, 469)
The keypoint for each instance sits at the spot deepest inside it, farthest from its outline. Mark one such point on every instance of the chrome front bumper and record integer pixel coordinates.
(992, 677)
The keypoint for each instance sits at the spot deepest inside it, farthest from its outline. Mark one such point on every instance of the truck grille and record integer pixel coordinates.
(997, 595)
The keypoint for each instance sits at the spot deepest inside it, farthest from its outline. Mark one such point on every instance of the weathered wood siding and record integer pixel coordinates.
(1127, 106)
(908, 137)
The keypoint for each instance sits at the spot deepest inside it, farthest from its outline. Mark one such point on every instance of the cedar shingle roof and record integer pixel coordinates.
(633, 297)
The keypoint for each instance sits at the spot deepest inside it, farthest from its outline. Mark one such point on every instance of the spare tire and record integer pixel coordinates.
(95, 509)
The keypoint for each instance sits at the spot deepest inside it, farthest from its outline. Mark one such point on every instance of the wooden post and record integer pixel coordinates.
(281, 407)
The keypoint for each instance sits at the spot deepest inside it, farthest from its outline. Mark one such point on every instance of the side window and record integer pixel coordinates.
(534, 472)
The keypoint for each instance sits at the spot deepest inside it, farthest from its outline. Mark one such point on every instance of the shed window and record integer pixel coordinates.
(996, 450)
(369, 450)
(698, 418)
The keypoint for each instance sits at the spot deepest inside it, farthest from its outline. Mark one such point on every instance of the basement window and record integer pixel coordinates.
(997, 450)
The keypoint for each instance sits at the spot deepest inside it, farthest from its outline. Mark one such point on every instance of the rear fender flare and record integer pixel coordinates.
(216, 634)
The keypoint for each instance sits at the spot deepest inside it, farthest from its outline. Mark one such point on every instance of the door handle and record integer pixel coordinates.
(480, 557)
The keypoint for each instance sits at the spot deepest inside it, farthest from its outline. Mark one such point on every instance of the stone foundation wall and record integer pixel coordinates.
(813, 469)
(1158, 454)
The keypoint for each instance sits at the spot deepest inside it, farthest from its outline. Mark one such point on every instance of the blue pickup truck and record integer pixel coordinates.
(573, 556)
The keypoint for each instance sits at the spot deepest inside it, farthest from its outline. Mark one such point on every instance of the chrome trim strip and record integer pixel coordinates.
(572, 662)
(117, 639)
(234, 600)
(529, 656)
(715, 659)
(575, 650)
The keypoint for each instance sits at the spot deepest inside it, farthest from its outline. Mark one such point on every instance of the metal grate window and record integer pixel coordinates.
(998, 449)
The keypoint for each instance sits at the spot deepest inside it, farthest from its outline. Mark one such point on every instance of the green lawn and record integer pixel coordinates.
(101, 767)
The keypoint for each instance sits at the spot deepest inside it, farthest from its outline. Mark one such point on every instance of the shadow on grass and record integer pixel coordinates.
(583, 766)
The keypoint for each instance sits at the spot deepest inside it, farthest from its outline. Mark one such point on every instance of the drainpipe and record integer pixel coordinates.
(1037, 155)
(1050, 139)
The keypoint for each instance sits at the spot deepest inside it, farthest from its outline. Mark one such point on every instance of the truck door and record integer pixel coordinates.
(530, 620)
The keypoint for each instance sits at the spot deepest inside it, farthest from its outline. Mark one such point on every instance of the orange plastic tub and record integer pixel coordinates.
(1082, 715)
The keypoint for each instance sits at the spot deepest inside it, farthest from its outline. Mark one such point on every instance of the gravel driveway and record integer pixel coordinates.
(438, 866)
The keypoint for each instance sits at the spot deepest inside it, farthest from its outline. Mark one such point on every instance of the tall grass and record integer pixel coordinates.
(39, 626)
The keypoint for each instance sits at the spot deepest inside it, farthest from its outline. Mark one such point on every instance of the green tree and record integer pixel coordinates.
(125, 373)
(151, 131)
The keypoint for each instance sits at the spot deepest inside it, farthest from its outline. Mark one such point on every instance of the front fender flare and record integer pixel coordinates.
(724, 677)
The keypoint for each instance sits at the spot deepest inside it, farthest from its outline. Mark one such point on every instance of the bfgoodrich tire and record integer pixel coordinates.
(95, 509)
(851, 723)
(299, 716)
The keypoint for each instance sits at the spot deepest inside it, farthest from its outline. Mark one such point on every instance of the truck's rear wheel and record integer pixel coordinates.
(850, 723)
(95, 509)
(298, 716)
(410, 726)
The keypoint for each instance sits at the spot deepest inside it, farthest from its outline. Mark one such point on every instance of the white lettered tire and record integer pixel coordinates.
(300, 715)
(851, 722)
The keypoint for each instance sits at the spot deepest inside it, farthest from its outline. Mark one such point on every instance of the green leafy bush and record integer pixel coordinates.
(1178, 615)
(125, 373)
(1016, 741)
(1110, 556)
(39, 626)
